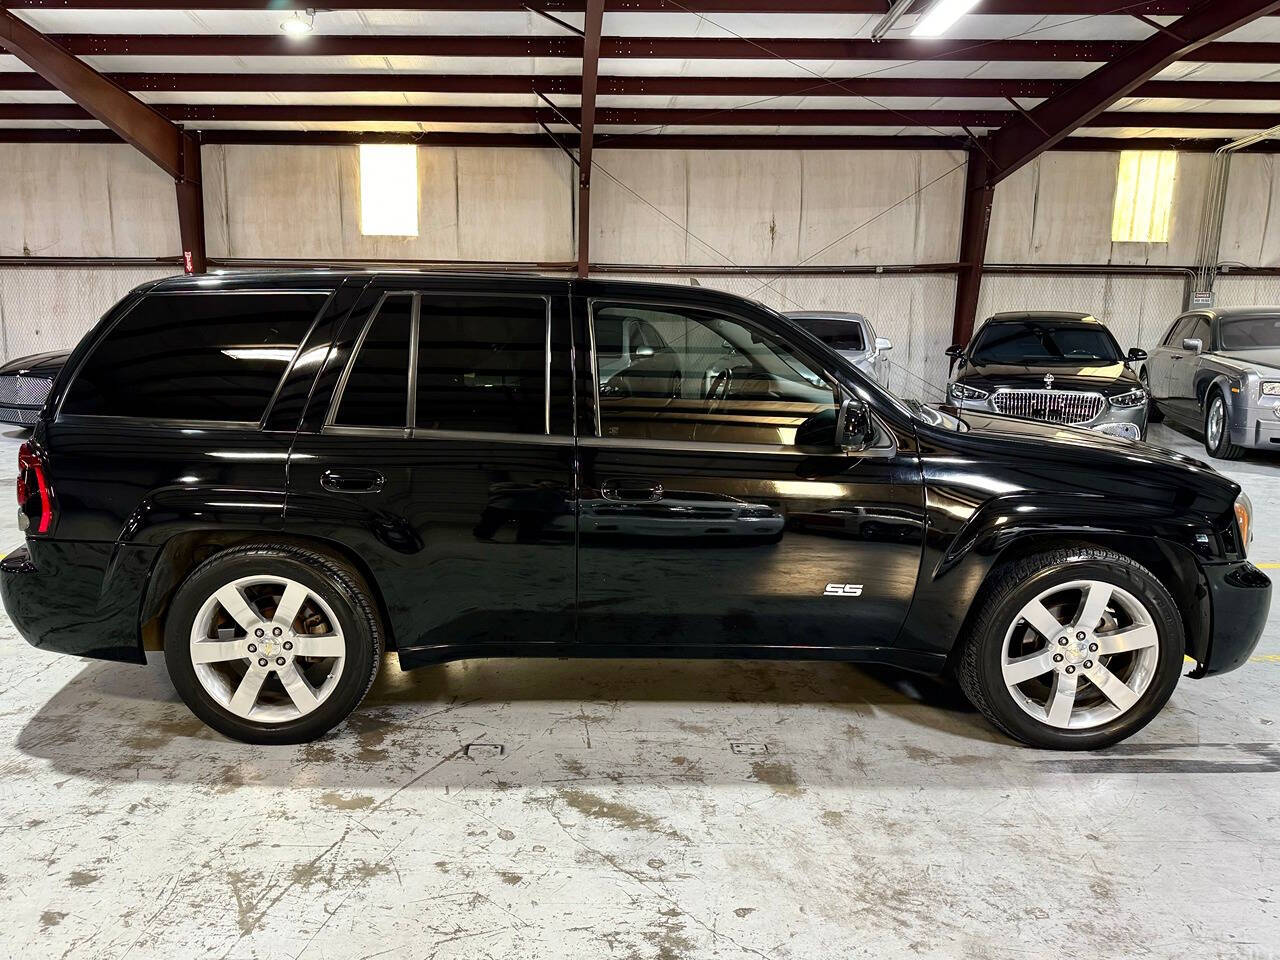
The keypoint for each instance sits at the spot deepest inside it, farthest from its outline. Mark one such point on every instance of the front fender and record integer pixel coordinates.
(956, 566)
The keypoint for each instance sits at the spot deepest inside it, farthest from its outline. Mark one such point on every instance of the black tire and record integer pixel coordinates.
(1154, 414)
(1224, 449)
(339, 586)
(1009, 589)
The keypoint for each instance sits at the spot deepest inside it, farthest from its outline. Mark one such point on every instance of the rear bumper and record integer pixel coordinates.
(1240, 595)
(81, 599)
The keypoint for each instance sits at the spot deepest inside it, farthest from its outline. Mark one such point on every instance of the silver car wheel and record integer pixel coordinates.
(267, 648)
(1085, 630)
(1217, 422)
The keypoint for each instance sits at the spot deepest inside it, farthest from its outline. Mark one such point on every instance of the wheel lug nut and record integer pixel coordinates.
(288, 644)
(259, 633)
(1093, 648)
(276, 632)
(1062, 641)
(262, 662)
(280, 661)
(1088, 664)
(1058, 658)
(1071, 669)
(253, 648)
(1080, 635)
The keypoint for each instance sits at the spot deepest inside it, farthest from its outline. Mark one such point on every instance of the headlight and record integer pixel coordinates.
(1244, 520)
(1271, 388)
(960, 391)
(1134, 398)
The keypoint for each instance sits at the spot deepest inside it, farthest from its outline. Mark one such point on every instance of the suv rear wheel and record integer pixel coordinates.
(272, 644)
(1073, 649)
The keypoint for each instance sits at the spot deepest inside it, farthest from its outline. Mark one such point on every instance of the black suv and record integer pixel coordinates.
(274, 477)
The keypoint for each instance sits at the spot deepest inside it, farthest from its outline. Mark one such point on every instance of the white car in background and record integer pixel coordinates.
(852, 336)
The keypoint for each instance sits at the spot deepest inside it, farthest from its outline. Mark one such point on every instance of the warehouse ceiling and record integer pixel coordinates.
(496, 72)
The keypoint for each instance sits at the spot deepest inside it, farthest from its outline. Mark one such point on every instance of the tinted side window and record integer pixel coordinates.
(1174, 337)
(377, 389)
(482, 364)
(1200, 331)
(715, 380)
(195, 356)
(837, 334)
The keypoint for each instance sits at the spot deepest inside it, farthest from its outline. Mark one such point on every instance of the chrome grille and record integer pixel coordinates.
(1051, 406)
(26, 391)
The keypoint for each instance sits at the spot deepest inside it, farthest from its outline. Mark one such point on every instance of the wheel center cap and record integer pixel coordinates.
(268, 647)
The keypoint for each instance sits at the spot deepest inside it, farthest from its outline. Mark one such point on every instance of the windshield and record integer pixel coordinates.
(1251, 333)
(1044, 343)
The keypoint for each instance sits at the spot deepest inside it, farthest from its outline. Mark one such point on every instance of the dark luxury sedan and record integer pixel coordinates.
(1057, 367)
(24, 384)
(273, 478)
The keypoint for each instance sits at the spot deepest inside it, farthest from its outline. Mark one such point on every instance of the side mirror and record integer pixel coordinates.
(883, 344)
(643, 351)
(956, 353)
(855, 430)
(1193, 344)
(1136, 356)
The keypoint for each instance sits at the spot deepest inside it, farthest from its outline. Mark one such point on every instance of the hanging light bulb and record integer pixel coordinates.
(300, 23)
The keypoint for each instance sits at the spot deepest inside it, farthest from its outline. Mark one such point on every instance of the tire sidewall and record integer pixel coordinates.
(1216, 449)
(360, 660)
(1168, 622)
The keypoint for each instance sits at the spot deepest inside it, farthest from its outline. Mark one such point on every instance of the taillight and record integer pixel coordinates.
(31, 468)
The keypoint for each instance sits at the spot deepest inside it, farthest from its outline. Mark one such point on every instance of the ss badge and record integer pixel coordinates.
(843, 590)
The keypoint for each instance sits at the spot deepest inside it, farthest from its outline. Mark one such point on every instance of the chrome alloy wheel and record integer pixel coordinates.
(1080, 654)
(1217, 421)
(267, 648)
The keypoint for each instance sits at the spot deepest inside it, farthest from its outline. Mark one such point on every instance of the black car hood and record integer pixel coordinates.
(1063, 436)
(37, 364)
(1104, 377)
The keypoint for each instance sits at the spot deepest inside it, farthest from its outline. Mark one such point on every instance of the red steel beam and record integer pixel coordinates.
(592, 25)
(730, 48)
(651, 141)
(197, 114)
(641, 86)
(1026, 137)
(157, 138)
(975, 226)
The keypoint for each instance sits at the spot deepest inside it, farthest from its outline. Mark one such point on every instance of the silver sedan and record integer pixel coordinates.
(852, 336)
(1218, 371)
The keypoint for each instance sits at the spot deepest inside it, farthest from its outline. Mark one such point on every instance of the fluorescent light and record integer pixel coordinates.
(299, 24)
(388, 190)
(941, 16)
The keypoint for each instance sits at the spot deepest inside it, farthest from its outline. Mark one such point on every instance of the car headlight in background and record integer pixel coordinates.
(1271, 388)
(1244, 519)
(1133, 398)
(960, 391)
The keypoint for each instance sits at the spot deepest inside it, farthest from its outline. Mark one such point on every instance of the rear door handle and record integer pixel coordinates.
(634, 491)
(352, 481)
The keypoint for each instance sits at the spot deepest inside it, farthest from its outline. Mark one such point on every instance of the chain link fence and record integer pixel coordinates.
(51, 308)
(1247, 291)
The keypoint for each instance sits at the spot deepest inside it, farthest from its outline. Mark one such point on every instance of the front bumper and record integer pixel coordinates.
(1240, 598)
(1127, 422)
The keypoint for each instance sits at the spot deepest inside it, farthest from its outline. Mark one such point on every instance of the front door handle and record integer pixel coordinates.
(352, 481)
(633, 491)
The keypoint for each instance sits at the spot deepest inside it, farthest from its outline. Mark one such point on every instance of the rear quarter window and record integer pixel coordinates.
(195, 356)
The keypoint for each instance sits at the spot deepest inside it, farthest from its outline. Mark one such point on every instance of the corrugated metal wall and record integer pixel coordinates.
(669, 208)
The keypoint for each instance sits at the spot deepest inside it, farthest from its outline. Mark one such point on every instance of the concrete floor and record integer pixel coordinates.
(636, 810)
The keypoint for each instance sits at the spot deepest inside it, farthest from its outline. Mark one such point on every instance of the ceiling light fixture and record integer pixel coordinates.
(300, 23)
(940, 17)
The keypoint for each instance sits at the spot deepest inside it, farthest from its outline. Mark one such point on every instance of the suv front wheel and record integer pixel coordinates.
(1073, 649)
(272, 644)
